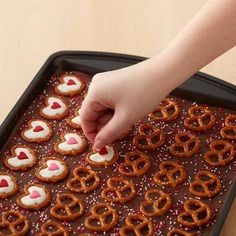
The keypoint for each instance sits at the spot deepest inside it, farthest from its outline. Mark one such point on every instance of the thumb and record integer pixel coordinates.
(112, 130)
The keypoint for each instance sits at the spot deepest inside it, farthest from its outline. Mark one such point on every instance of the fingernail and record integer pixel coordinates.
(98, 145)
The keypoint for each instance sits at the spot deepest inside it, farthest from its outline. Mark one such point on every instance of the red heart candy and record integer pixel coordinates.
(3, 183)
(53, 167)
(55, 105)
(71, 82)
(38, 129)
(22, 156)
(103, 151)
(35, 194)
(72, 140)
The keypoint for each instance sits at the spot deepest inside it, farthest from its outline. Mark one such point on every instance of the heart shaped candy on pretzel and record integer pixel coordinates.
(167, 111)
(136, 224)
(149, 138)
(51, 228)
(220, 154)
(13, 223)
(200, 119)
(74, 120)
(85, 180)
(119, 190)
(68, 207)
(156, 203)
(206, 184)
(136, 164)
(102, 218)
(229, 131)
(196, 213)
(186, 145)
(171, 174)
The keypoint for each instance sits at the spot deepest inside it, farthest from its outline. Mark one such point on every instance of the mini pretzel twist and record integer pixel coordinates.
(167, 111)
(186, 145)
(221, 153)
(51, 228)
(104, 215)
(171, 174)
(229, 131)
(149, 137)
(196, 213)
(14, 222)
(200, 119)
(206, 184)
(179, 232)
(68, 207)
(85, 180)
(118, 190)
(136, 164)
(158, 201)
(135, 224)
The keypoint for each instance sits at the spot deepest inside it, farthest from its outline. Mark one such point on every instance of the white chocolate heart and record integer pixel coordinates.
(77, 119)
(49, 111)
(16, 162)
(64, 88)
(10, 183)
(47, 173)
(96, 157)
(65, 146)
(28, 201)
(30, 134)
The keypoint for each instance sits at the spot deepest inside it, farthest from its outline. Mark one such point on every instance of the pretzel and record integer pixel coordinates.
(167, 111)
(186, 145)
(51, 228)
(135, 224)
(196, 214)
(85, 180)
(200, 119)
(13, 223)
(156, 203)
(102, 218)
(118, 190)
(8, 185)
(179, 232)
(149, 137)
(68, 207)
(220, 154)
(171, 174)
(229, 131)
(74, 120)
(206, 184)
(136, 164)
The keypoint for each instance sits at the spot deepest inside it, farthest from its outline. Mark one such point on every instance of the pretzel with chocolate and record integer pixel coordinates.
(51, 228)
(34, 197)
(74, 120)
(135, 164)
(8, 185)
(156, 203)
(70, 85)
(38, 131)
(167, 111)
(186, 145)
(171, 174)
(102, 218)
(196, 213)
(200, 119)
(70, 144)
(149, 138)
(55, 108)
(229, 131)
(119, 190)
(135, 224)
(13, 223)
(220, 154)
(85, 180)
(206, 184)
(106, 156)
(68, 207)
(179, 232)
(52, 170)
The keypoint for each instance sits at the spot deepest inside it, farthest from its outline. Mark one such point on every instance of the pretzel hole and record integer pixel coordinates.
(75, 184)
(206, 120)
(143, 141)
(81, 173)
(187, 218)
(202, 215)
(226, 154)
(147, 131)
(162, 203)
(231, 121)
(163, 178)
(170, 111)
(90, 182)
(129, 232)
(198, 112)
(168, 167)
(76, 208)
(61, 211)
(212, 186)
(148, 208)
(199, 188)
(219, 147)
(230, 132)
(101, 210)
(141, 164)
(4, 230)
(136, 221)
(204, 178)
(118, 184)
(111, 194)
(193, 206)
(177, 174)
(144, 230)
(179, 149)
(213, 158)
(66, 200)
(134, 157)
(154, 196)
(194, 123)
(155, 139)
(184, 138)
(157, 114)
(109, 219)
(95, 222)
(20, 227)
(51, 228)
(126, 192)
(12, 217)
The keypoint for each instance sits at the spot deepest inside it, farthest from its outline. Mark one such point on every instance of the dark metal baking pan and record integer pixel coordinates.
(200, 87)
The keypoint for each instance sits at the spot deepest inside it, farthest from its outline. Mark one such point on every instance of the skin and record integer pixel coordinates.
(117, 99)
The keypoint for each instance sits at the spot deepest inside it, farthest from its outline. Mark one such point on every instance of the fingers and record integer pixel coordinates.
(112, 130)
